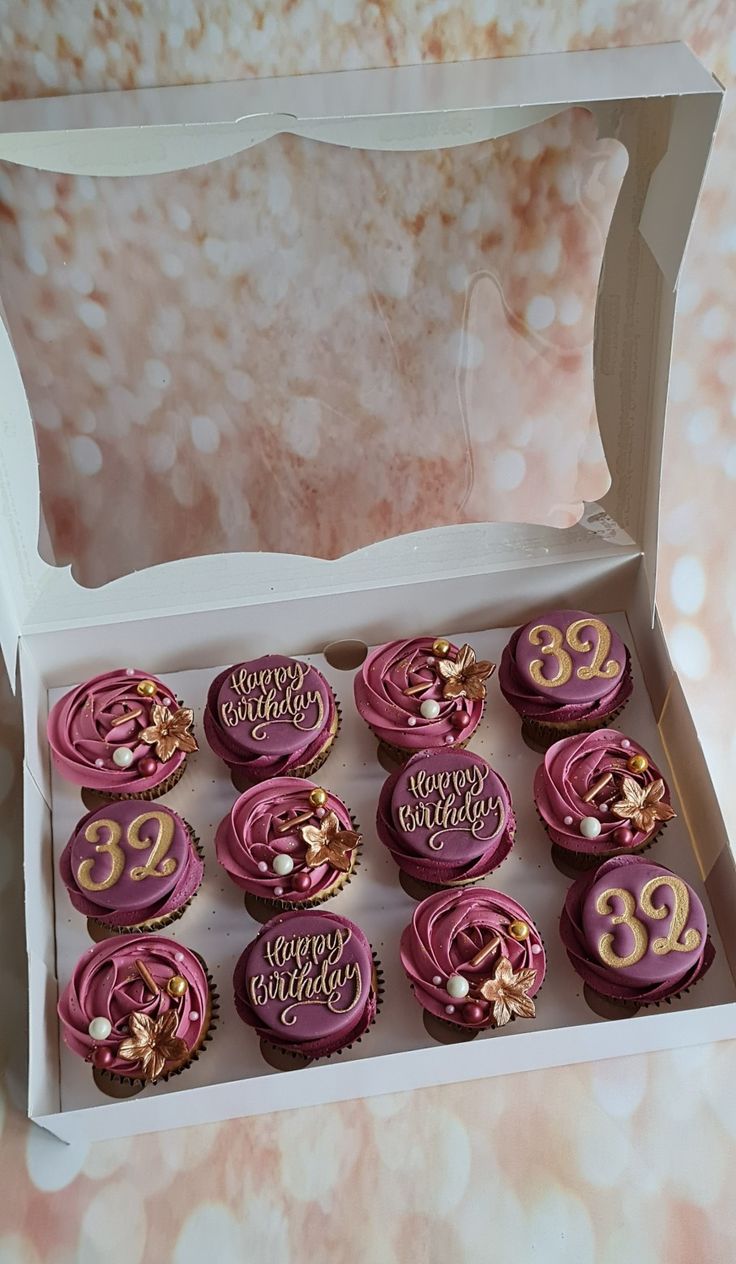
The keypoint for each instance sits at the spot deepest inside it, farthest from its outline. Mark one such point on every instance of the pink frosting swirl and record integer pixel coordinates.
(306, 983)
(655, 976)
(583, 698)
(83, 733)
(448, 930)
(395, 717)
(128, 901)
(571, 769)
(446, 816)
(277, 739)
(249, 839)
(107, 984)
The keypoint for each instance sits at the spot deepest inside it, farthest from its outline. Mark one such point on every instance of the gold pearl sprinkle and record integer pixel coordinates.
(519, 930)
(318, 797)
(637, 763)
(176, 986)
(146, 688)
(441, 647)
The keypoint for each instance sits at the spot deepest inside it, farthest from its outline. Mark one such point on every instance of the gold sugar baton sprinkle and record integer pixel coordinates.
(148, 978)
(294, 822)
(600, 784)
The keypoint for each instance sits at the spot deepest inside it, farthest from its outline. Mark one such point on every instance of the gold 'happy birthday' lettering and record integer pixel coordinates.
(459, 805)
(316, 976)
(265, 707)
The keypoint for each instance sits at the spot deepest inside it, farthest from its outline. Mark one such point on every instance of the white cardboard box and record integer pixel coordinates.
(206, 611)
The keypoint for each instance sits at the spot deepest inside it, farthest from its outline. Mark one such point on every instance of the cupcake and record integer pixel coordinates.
(122, 734)
(308, 984)
(474, 960)
(421, 694)
(129, 868)
(271, 717)
(635, 933)
(565, 672)
(600, 795)
(139, 1008)
(288, 843)
(446, 817)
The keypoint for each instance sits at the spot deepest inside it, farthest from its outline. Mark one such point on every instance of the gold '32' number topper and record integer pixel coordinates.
(662, 945)
(159, 847)
(550, 640)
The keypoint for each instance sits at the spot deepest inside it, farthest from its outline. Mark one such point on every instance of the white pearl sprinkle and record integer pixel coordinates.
(99, 763)
(194, 1015)
(568, 820)
(437, 979)
(278, 890)
(590, 827)
(262, 866)
(430, 709)
(100, 1028)
(457, 986)
(122, 756)
(449, 1009)
(282, 864)
(625, 743)
(411, 721)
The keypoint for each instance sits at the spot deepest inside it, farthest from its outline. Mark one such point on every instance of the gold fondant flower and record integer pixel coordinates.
(329, 843)
(152, 1043)
(642, 805)
(168, 733)
(464, 677)
(508, 992)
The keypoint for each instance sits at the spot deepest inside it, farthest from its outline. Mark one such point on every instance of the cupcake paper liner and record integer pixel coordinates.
(102, 1076)
(154, 793)
(300, 1059)
(401, 757)
(539, 736)
(99, 930)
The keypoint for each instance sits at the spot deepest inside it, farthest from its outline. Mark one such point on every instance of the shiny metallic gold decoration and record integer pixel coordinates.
(293, 822)
(113, 849)
(441, 647)
(152, 1043)
(642, 805)
(418, 688)
(318, 797)
(329, 843)
(627, 918)
(485, 951)
(124, 719)
(597, 786)
(680, 913)
(147, 977)
(176, 986)
(464, 677)
(508, 992)
(169, 731)
(519, 930)
(609, 669)
(637, 763)
(146, 688)
(159, 846)
(549, 639)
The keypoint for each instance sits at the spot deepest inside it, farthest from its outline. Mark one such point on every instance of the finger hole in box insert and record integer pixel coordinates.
(345, 655)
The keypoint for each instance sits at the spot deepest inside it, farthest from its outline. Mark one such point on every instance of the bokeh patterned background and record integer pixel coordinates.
(578, 1164)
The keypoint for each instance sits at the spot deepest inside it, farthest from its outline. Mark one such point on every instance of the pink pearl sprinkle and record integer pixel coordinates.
(130, 671)
(568, 820)
(449, 1009)
(625, 743)
(179, 956)
(99, 763)
(536, 948)
(449, 739)
(411, 721)
(320, 813)
(194, 1015)
(436, 979)
(262, 866)
(278, 890)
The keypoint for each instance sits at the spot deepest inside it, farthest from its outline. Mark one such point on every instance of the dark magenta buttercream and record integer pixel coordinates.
(305, 983)
(446, 816)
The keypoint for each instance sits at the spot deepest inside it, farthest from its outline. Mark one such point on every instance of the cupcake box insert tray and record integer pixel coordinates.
(183, 619)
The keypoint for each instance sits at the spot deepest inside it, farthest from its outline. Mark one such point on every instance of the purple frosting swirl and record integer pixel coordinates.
(249, 839)
(571, 769)
(101, 844)
(306, 983)
(446, 816)
(107, 984)
(580, 697)
(395, 717)
(270, 716)
(84, 732)
(590, 934)
(448, 930)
